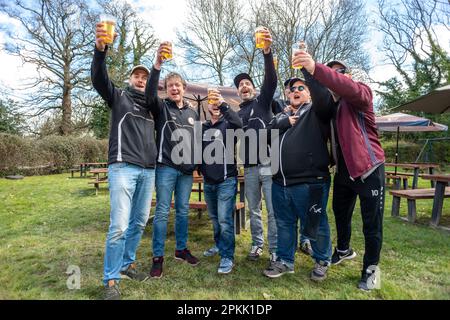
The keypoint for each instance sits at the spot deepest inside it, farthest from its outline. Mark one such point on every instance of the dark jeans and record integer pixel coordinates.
(371, 198)
(221, 201)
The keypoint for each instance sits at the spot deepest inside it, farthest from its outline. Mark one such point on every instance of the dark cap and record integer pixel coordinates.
(286, 82)
(333, 62)
(241, 77)
(294, 80)
(140, 67)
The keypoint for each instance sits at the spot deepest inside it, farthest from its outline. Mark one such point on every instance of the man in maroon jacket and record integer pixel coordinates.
(359, 164)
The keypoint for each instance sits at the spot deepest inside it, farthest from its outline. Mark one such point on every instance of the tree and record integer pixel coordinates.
(411, 45)
(10, 119)
(57, 40)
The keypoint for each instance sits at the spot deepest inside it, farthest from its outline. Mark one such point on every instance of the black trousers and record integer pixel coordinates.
(371, 197)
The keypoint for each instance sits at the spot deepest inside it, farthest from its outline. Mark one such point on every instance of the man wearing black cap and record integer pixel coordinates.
(359, 161)
(131, 171)
(255, 112)
(279, 104)
(301, 184)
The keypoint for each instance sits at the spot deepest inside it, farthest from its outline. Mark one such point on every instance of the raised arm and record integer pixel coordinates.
(322, 101)
(270, 82)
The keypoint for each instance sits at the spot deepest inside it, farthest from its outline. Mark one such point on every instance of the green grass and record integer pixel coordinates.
(51, 222)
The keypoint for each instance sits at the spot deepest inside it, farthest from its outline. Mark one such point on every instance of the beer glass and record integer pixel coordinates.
(168, 55)
(298, 47)
(259, 37)
(212, 100)
(275, 61)
(109, 24)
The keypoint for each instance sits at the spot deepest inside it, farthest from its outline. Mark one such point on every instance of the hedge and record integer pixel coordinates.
(52, 154)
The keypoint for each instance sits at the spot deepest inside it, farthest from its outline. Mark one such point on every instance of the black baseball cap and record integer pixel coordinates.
(241, 77)
(286, 82)
(294, 80)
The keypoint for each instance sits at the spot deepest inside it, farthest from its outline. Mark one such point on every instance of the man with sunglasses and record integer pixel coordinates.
(301, 185)
(359, 161)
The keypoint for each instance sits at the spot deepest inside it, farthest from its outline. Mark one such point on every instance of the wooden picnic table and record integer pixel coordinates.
(85, 165)
(442, 181)
(97, 171)
(416, 167)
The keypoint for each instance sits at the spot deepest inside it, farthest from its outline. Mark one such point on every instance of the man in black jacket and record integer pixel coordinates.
(256, 113)
(174, 119)
(131, 171)
(301, 185)
(220, 177)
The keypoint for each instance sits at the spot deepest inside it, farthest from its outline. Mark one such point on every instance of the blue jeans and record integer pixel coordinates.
(259, 178)
(130, 191)
(168, 181)
(221, 201)
(290, 204)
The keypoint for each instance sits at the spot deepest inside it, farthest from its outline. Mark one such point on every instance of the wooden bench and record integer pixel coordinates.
(201, 205)
(412, 195)
(97, 183)
(396, 180)
(73, 170)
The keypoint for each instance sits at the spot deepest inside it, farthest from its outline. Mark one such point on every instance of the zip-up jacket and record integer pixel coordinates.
(132, 131)
(355, 122)
(169, 118)
(214, 138)
(257, 113)
(302, 149)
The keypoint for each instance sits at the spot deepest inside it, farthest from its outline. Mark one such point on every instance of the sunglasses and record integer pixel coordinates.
(341, 70)
(299, 88)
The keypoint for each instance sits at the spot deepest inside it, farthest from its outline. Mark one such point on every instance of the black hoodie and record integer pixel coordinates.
(132, 131)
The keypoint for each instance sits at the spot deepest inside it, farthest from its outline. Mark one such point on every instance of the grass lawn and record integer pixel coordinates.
(51, 222)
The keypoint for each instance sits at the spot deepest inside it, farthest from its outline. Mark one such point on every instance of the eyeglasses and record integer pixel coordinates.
(341, 70)
(299, 88)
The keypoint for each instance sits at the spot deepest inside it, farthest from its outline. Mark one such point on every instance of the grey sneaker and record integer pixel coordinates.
(277, 269)
(319, 272)
(370, 279)
(225, 266)
(306, 248)
(255, 253)
(211, 252)
(112, 291)
(132, 274)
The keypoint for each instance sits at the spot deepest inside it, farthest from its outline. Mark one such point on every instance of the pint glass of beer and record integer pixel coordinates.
(275, 61)
(298, 47)
(259, 37)
(168, 55)
(109, 23)
(211, 99)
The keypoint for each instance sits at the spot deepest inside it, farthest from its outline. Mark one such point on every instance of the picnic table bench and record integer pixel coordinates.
(398, 179)
(416, 167)
(84, 166)
(442, 181)
(417, 194)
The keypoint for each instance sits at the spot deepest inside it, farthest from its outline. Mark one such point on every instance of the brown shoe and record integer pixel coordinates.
(157, 268)
(112, 291)
(185, 255)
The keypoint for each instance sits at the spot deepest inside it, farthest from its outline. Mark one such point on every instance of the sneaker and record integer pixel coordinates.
(306, 248)
(319, 272)
(255, 253)
(225, 266)
(339, 256)
(273, 257)
(277, 269)
(112, 291)
(132, 274)
(157, 268)
(185, 255)
(370, 279)
(211, 252)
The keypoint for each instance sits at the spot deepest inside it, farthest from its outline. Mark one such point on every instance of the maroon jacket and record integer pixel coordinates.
(355, 121)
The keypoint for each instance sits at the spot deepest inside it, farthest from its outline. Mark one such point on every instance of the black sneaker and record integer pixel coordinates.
(132, 274)
(185, 255)
(157, 268)
(112, 291)
(339, 256)
(370, 279)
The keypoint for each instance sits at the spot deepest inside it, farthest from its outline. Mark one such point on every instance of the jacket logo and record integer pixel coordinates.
(191, 121)
(313, 209)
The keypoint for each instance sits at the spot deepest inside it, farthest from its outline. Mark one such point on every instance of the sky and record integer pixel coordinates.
(167, 15)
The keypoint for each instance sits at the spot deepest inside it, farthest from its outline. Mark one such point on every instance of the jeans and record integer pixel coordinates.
(290, 204)
(221, 202)
(130, 190)
(257, 178)
(371, 198)
(168, 181)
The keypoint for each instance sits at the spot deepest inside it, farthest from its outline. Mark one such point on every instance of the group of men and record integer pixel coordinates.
(323, 105)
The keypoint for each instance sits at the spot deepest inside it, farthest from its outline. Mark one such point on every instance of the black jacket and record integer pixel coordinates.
(303, 152)
(215, 137)
(257, 113)
(278, 105)
(168, 119)
(132, 131)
